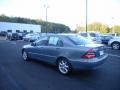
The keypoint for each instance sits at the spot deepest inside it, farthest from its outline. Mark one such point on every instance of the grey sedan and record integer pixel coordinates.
(67, 51)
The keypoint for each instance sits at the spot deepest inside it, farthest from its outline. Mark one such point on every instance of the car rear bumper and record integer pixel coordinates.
(105, 41)
(77, 65)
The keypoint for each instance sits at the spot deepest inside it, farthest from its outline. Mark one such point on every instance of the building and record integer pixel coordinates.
(19, 27)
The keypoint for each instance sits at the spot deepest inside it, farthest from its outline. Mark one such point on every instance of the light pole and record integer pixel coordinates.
(46, 12)
(113, 25)
(86, 15)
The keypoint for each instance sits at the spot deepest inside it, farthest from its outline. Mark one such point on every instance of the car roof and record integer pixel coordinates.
(90, 32)
(60, 34)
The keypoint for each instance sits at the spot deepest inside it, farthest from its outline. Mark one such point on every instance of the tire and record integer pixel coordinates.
(25, 56)
(64, 66)
(116, 45)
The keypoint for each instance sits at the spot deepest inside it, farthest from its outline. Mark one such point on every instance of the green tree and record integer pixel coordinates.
(97, 27)
(116, 29)
(45, 26)
(79, 29)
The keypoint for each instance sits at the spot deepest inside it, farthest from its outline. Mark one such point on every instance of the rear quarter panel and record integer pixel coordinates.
(73, 53)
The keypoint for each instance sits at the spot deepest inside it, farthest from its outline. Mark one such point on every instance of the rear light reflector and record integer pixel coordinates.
(89, 54)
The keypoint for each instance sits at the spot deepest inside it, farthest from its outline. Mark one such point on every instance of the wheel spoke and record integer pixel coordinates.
(63, 67)
(24, 55)
(60, 64)
(116, 46)
(66, 66)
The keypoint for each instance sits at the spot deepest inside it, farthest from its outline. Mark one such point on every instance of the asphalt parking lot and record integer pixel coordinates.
(16, 74)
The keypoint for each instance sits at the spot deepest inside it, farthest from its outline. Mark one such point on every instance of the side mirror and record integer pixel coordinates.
(33, 44)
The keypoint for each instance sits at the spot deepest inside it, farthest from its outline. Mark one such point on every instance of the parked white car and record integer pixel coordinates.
(94, 36)
(31, 37)
(115, 43)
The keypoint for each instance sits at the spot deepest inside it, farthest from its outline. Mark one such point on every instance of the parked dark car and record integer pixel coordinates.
(67, 51)
(3, 33)
(105, 38)
(20, 36)
(15, 36)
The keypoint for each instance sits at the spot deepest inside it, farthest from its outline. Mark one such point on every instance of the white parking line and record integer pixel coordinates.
(108, 47)
(13, 42)
(114, 55)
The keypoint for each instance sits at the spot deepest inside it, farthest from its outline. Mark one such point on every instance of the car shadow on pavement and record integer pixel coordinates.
(44, 64)
(84, 74)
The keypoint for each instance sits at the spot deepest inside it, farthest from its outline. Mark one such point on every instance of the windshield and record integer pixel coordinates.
(79, 40)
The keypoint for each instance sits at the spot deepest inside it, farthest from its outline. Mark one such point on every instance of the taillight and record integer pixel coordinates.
(89, 54)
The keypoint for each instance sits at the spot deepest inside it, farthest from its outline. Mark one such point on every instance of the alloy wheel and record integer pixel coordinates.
(64, 66)
(116, 46)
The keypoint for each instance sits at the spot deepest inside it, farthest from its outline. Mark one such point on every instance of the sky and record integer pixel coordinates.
(69, 12)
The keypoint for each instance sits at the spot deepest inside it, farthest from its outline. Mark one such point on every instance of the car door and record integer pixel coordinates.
(39, 49)
(54, 47)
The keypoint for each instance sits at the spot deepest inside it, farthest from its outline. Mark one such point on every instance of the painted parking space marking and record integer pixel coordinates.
(108, 47)
(13, 43)
(114, 55)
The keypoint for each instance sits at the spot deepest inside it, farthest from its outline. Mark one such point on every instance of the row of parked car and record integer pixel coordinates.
(23, 36)
(108, 39)
(97, 37)
(31, 37)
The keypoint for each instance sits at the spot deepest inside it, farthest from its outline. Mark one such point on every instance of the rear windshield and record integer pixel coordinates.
(83, 34)
(92, 34)
(79, 40)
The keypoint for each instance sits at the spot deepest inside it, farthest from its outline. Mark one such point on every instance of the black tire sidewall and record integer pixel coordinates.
(116, 43)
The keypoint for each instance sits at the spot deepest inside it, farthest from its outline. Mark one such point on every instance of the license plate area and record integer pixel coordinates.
(101, 53)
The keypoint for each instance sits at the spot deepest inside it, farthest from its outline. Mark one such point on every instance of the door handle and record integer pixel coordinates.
(57, 48)
(41, 47)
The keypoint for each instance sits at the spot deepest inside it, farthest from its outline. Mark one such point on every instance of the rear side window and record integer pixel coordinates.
(42, 41)
(55, 41)
(83, 34)
(78, 40)
(92, 34)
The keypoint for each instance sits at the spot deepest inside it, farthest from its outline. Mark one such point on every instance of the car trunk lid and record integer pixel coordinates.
(98, 49)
